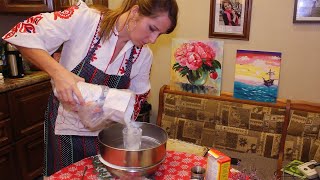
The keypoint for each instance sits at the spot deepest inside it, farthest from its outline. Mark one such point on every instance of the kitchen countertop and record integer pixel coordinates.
(14, 83)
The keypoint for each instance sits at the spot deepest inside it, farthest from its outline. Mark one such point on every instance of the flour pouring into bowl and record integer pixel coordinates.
(103, 106)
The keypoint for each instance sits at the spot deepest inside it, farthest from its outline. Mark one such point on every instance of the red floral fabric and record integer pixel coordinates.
(24, 27)
(176, 166)
(28, 26)
(140, 99)
(75, 171)
(65, 14)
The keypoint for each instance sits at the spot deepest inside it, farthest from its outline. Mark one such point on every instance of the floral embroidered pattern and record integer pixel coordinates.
(65, 14)
(122, 70)
(140, 99)
(137, 54)
(94, 55)
(95, 40)
(135, 57)
(25, 27)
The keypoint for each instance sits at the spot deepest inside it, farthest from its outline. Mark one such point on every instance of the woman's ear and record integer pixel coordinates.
(134, 11)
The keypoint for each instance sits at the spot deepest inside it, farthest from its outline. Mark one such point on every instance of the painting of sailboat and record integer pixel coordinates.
(257, 75)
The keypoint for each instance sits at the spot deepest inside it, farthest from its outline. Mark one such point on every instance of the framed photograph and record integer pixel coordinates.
(306, 11)
(230, 19)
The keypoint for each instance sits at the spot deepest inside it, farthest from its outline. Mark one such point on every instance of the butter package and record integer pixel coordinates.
(218, 165)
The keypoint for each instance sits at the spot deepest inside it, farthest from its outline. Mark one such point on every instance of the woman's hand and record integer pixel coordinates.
(65, 83)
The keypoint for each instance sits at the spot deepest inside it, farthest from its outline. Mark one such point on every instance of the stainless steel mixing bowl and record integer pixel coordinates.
(132, 163)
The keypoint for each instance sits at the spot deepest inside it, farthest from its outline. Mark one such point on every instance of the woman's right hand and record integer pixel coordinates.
(66, 88)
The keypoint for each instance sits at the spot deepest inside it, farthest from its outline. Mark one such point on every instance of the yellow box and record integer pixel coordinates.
(218, 165)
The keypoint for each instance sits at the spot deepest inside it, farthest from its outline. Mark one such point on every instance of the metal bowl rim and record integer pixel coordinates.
(133, 169)
(121, 149)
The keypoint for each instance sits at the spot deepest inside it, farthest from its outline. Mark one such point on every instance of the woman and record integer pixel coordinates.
(229, 15)
(100, 46)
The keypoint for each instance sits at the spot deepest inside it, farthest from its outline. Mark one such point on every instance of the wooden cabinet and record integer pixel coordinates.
(21, 131)
(27, 107)
(7, 160)
(4, 109)
(38, 6)
(7, 163)
(63, 4)
(29, 152)
(5, 123)
(26, 6)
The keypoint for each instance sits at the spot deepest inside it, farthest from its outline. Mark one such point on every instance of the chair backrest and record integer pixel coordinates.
(302, 140)
(222, 121)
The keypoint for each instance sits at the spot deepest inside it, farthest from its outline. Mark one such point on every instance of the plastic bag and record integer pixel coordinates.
(103, 106)
(92, 116)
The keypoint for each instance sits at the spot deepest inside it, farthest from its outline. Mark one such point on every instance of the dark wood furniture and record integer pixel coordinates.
(6, 146)
(63, 4)
(38, 6)
(21, 131)
(26, 6)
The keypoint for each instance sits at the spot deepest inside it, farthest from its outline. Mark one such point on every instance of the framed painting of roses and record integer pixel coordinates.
(230, 19)
(196, 66)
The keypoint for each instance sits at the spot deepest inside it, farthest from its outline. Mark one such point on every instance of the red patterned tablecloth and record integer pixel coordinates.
(176, 166)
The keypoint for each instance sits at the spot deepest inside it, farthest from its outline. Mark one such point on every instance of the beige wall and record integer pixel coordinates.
(271, 30)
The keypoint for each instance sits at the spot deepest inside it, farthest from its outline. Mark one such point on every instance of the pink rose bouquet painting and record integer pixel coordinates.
(196, 66)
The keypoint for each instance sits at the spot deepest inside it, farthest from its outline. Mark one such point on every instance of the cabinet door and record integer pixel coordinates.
(4, 108)
(27, 107)
(63, 4)
(26, 6)
(5, 124)
(30, 151)
(7, 168)
(5, 132)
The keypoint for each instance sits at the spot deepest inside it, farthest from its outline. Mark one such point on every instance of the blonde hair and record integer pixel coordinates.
(149, 8)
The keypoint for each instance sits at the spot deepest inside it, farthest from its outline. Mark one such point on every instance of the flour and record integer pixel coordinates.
(131, 135)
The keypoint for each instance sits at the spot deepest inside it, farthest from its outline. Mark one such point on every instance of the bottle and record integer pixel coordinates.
(26, 66)
(14, 60)
(1, 61)
(2, 56)
(4, 66)
(1, 78)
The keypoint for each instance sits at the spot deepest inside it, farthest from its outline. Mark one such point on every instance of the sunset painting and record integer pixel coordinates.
(257, 75)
